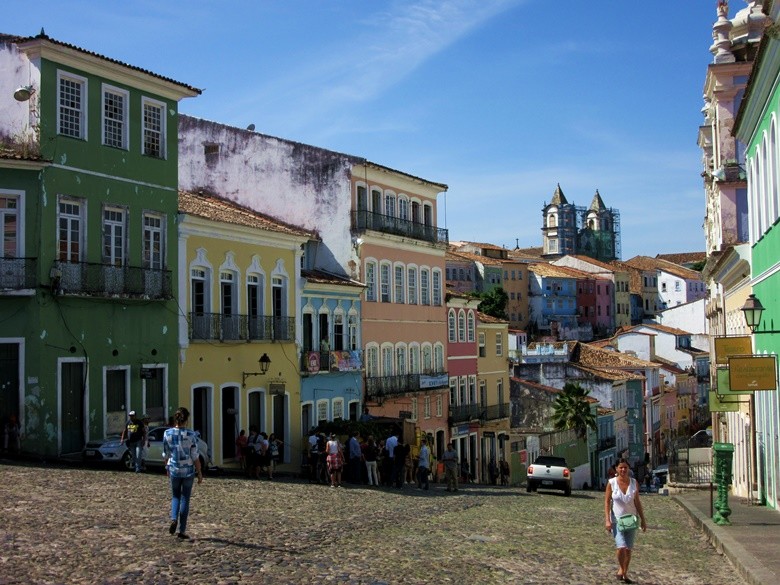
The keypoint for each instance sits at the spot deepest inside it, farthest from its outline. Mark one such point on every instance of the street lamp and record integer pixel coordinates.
(753, 309)
(264, 362)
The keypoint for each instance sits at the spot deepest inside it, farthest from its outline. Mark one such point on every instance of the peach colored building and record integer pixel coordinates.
(401, 253)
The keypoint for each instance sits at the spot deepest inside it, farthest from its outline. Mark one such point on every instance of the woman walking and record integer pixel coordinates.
(335, 460)
(622, 500)
(182, 462)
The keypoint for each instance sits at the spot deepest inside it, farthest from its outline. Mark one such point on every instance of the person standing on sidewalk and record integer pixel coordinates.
(622, 498)
(134, 437)
(450, 460)
(423, 465)
(182, 463)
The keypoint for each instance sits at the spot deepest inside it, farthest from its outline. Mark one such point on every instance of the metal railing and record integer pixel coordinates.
(17, 273)
(696, 473)
(385, 386)
(368, 220)
(216, 326)
(468, 412)
(95, 279)
(607, 443)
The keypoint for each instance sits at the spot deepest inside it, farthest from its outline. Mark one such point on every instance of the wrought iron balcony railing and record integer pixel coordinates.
(89, 278)
(331, 361)
(469, 412)
(367, 220)
(206, 326)
(17, 273)
(382, 387)
(606, 443)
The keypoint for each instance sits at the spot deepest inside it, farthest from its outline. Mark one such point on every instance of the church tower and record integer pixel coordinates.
(559, 228)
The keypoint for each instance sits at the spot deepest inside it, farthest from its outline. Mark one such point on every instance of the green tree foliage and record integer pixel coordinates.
(571, 410)
(494, 303)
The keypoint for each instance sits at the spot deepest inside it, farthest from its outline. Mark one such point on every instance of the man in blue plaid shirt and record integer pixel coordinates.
(182, 461)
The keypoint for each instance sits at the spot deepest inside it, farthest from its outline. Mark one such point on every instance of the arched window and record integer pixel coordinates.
(427, 359)
(438, 358)
(370, 281)
(461, 327)
(400, 359)
(389, 204)
(451, 326)
(471, 327)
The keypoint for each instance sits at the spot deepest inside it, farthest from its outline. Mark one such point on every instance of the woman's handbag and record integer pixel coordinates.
(627, 522)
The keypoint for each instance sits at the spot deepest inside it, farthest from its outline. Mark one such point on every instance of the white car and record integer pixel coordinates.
(111, 449)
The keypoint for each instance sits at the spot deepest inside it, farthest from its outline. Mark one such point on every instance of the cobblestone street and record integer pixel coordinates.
(97, 525)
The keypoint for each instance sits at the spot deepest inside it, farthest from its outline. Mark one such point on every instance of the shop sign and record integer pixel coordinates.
(725, 347)
(752, 373)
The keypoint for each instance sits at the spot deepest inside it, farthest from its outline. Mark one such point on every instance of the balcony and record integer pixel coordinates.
(315, 362)
(216, 326)
(383, 387)
(107, 280)
(607, 443)
(367, 220)
(470, 412)
(17, 273)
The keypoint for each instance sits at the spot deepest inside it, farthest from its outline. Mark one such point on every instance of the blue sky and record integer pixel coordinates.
(499, 99)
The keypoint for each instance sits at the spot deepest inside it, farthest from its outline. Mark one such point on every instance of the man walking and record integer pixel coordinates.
(450, 459)
(388, 477)
(423, 465)
(134, 436)
(355, 458)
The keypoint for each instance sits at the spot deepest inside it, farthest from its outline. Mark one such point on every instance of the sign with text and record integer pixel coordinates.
(726, 347)
(722, 404)
(752, 373)
(724, 387)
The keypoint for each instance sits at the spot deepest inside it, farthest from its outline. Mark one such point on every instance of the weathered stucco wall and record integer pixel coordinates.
(296, 183)
(17, 119)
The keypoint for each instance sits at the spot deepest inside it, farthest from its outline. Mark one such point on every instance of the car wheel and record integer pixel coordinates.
(127, 462)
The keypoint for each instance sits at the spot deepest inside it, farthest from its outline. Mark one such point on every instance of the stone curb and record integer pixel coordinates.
(747, 565)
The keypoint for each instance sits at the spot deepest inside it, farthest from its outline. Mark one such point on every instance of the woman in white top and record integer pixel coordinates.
(622, 497)
(335, 460)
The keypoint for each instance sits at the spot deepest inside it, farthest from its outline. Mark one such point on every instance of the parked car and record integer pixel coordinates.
(112, 450)
(549, 472)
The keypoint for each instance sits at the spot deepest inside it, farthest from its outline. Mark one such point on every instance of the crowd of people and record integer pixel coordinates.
(258, 453)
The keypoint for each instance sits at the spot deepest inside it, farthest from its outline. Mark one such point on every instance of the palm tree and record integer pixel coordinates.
(571, 410)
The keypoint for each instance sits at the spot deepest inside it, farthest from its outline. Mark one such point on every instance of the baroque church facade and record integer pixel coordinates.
(568, 229)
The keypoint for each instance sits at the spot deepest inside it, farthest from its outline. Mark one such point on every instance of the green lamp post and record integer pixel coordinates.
(723, 454)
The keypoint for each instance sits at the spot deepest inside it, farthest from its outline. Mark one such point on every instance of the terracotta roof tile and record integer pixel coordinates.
(551, 270)
(683, 258)
(321, 277)
(226, 211)
(485, 318)
(647, 263)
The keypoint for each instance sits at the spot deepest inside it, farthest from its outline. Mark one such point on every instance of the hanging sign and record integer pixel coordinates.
(724, 387)
(722, 404)
(752, 373)
(729, 346)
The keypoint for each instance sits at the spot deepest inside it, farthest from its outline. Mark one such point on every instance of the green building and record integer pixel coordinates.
(757, 128)
(88, 203)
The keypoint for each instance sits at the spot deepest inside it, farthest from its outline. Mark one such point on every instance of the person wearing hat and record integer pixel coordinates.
(134, 437)
(423, 465)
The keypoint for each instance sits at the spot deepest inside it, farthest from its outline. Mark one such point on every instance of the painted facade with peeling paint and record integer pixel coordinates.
(88, 185)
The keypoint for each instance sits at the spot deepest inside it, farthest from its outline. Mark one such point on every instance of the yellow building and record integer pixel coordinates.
(238, 332)
(493, 392)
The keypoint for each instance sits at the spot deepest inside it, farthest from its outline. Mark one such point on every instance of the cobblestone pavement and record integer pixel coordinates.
(86, 525)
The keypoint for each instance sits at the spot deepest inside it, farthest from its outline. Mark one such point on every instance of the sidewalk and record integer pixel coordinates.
(751, 542)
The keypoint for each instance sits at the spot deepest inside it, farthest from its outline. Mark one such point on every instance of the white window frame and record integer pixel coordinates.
(452, 327)
(113, 228)
(499, 344)
(160, 133)
(399, 283)
(470, 327)
(425, 286)
(338, 408)
(321, 408)
(79, 113)
(385, 275)
(371, 276)
(118, 138)
(80, 218)
(16, 211)
(439, 406)
(461, 326)
(153, 234)
(436, 284)
(411, 285)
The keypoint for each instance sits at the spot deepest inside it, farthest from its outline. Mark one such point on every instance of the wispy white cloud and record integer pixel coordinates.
(386, 47)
